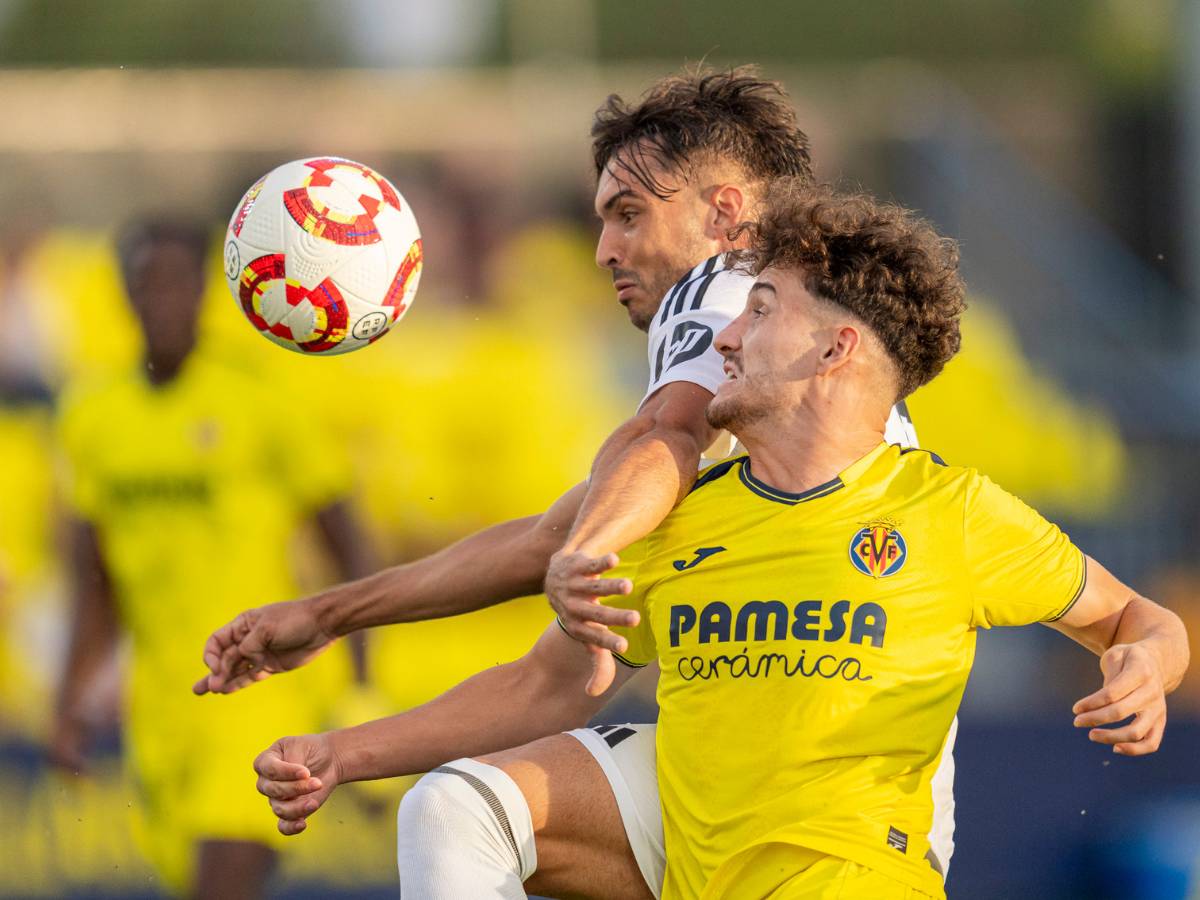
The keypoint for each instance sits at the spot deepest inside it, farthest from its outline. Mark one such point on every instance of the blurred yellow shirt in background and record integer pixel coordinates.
(197, 489)
(993, 408)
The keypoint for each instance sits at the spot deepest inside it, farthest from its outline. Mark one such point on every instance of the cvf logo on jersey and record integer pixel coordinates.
(878, 550)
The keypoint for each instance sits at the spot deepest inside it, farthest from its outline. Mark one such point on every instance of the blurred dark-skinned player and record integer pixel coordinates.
(188, 481)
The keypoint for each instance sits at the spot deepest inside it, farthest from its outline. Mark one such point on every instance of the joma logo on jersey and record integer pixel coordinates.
(878, 550)
(773, 620)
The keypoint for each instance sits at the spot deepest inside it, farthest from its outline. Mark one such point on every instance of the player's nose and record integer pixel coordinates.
(729, 338)
(608, 254)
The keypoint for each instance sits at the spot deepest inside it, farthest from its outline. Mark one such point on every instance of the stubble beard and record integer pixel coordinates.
(738, 413)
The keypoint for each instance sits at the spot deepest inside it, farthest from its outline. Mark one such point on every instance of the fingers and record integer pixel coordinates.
(271, 765)
(1122, 685)
(595, 635)
(594, 566)
(600, 587)
(290, 827)
(293, 810)
(1141, 736)
(216, 644)
(590, 611)
(1141, 700)
(238, 682)
(604, 670)
(287, 790)
(1149, 744)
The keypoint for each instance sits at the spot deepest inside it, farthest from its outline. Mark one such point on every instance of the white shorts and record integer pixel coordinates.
(626, 754)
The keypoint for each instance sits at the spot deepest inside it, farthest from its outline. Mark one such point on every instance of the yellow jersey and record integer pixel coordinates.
(196, 488)
(814, 648)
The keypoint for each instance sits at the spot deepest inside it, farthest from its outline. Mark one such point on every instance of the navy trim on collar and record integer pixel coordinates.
(770, 493)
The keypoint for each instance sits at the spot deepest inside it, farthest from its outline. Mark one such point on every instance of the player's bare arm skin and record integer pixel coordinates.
(505, 706)
(1143, 650)
(95, 634)
(352, 553)
(497, 564)
(646, 467)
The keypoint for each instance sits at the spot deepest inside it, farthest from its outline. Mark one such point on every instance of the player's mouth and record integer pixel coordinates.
(730, 371)
(625, 290)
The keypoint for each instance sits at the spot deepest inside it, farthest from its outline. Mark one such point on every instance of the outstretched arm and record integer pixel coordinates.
(505, 706)
(500, 563)
(1143, 650)
(646, 467)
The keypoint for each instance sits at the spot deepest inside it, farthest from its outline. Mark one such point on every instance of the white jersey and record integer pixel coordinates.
(690, 316)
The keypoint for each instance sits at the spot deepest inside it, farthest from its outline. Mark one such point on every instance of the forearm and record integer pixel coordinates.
(1160, 632)
(503, 707)
(93, 643)
(636, 480)
(501, 563)
(95, 631)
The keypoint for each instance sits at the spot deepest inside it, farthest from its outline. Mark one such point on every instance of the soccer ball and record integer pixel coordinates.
(323, 256)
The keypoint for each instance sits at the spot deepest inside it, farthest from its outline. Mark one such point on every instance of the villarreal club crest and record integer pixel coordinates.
(878, 549)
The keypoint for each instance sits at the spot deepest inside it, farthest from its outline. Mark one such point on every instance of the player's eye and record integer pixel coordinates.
(628, 215)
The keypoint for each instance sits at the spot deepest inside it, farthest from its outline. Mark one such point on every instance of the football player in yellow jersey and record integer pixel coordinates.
(813, 605)
(675, 170)
(188, 481)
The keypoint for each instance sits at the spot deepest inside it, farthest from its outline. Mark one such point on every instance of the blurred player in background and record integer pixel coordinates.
(188, 482)
(675, 172)
(814, 619)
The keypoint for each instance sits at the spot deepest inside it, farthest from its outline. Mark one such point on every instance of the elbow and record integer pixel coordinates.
(554, 693)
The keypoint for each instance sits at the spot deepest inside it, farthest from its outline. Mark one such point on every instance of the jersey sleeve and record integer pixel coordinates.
(689, 318)
(1021, 568)
(641, 650)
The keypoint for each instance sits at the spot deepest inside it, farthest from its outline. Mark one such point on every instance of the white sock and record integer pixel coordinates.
(464, 830)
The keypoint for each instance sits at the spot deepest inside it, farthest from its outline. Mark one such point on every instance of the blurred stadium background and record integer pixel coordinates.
(1057, 139)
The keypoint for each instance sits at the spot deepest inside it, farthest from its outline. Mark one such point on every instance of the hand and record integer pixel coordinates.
(261, 642)
(1133, 686)
(297, 774)
(574, 587)
(68, 745)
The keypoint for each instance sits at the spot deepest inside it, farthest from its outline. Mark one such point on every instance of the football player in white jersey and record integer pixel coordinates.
(572, 814)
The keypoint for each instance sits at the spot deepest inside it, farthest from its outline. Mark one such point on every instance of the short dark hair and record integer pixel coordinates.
(150, 230)
(686, 119)
(878, 260)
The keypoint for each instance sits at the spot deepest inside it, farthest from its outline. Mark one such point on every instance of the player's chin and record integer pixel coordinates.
(640, 316)
(722, 411)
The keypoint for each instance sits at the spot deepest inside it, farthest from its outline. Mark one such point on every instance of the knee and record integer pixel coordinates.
(428, 808)
(466, 809)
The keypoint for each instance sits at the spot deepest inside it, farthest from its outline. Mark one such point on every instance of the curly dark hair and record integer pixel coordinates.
(878, 260)
(688, 119)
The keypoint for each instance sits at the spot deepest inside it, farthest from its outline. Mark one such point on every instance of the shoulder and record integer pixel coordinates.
(87, 402)
(712, 285)
(714, 473)
(917, 471)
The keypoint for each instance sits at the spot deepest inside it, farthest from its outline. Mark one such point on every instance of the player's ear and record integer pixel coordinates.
(727, 204)
(843, 343)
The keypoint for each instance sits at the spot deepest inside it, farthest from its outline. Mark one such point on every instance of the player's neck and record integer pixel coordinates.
(162, 370)
(805, 451)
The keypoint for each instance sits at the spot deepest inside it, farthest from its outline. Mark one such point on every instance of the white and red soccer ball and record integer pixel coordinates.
(323, 256)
